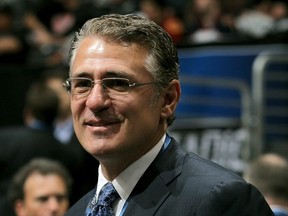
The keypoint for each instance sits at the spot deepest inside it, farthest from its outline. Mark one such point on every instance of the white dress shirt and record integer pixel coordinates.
(126, 181)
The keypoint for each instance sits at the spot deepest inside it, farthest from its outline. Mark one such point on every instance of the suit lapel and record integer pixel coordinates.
(80, 207)
(152, 189)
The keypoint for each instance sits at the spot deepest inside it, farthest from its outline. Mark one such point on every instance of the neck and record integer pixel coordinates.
(111, 168)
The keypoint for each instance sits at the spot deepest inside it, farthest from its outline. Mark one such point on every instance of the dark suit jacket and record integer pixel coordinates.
(181, 183)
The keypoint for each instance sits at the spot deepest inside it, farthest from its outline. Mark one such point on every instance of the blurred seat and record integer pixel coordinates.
(215, 117)
(270, 102)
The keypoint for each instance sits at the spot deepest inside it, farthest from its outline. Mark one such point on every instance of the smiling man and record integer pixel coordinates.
(124, 89)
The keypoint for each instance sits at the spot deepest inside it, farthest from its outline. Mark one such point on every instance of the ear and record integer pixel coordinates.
(19, 208)
(171, 98)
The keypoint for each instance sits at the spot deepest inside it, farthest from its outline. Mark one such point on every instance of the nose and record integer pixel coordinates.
(54, 204)
(97, 99)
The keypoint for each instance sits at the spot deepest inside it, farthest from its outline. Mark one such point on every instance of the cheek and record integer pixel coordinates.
(77, 106)
(73, 108)
(147, 111)
(64, 206)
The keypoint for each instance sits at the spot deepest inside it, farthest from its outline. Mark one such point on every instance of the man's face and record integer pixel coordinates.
(116, 127)
(44, 195)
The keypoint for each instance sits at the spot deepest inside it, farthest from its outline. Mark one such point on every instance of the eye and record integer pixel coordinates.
(80, 86)
(61, 198)
(117, 84)
(42, 199)
(82, 83)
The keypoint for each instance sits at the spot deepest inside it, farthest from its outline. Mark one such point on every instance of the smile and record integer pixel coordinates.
(103, 122)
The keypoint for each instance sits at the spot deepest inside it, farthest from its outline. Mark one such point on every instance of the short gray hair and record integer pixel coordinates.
(162, 58)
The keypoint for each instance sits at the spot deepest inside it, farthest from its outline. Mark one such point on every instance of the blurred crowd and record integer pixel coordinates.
(38, 32)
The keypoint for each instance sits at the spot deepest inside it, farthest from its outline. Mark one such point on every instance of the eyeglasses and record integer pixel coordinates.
(112, 86)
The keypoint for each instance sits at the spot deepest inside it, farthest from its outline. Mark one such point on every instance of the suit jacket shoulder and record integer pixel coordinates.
(181, 183)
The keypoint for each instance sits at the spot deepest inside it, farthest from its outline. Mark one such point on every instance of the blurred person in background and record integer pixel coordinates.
(164, 15)
(203, 22)
(64, 132)
(40, 188)
(117, 6)
(13, 46)
(21, 143)
(279, 12)
(51, 23)
(63, 124)
(264, 18)
(269, 173)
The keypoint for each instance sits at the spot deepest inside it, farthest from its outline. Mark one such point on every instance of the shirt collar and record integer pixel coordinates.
(126, 181)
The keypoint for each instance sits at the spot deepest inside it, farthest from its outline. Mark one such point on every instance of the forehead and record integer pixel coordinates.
(98, 55)
(38, 184)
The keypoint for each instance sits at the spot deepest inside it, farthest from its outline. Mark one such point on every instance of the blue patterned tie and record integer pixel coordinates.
(107, 196)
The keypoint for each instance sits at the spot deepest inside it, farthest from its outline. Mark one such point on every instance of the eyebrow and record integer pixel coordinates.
(81, 74)
(121, 74)
(107, 74)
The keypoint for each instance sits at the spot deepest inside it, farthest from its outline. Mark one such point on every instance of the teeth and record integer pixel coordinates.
(102, 122)
(97, 124)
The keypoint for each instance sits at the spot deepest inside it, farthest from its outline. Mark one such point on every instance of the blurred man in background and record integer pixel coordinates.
(40, 188)
(269, 173)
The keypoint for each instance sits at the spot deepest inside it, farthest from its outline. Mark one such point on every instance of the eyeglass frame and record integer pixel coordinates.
(67, 84)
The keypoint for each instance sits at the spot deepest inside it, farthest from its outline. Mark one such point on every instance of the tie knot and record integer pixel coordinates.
(107, 195)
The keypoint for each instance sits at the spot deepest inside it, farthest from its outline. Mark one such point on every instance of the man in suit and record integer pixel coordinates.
(124, 89)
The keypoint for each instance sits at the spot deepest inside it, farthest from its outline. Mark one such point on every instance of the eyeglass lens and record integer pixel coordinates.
(110, 85)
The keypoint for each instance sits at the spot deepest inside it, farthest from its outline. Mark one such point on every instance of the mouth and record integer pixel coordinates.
(98, 123)
(102, 122)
